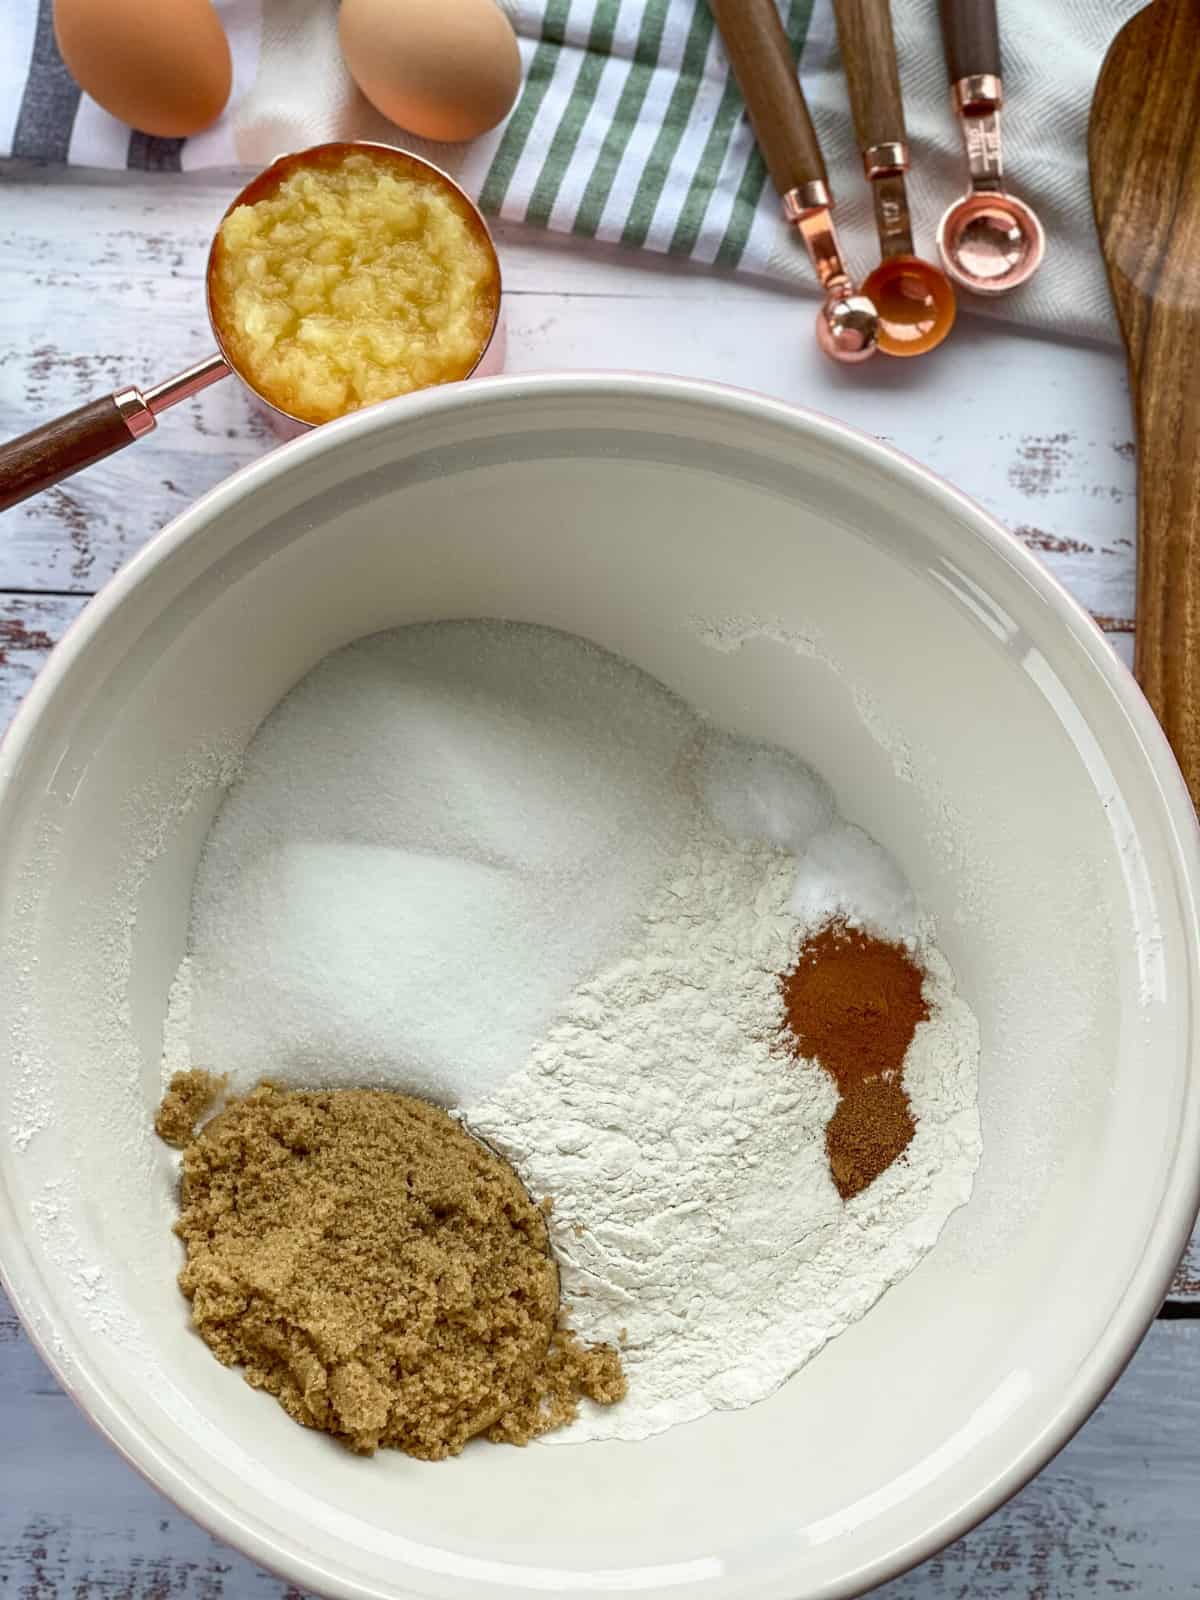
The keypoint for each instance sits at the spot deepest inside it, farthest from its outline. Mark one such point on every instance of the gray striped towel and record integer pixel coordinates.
(630, 129)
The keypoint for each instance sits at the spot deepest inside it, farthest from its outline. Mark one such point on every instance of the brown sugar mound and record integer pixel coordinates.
(853, 1002)
(189, 1096)
(388, 1279)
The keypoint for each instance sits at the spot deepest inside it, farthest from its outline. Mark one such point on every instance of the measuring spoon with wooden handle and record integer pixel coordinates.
(913, 297)
(761, 58)
(989, 241)
(1145, 166)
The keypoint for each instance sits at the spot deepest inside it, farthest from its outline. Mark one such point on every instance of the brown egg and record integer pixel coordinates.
(443, 69)
(162, 66)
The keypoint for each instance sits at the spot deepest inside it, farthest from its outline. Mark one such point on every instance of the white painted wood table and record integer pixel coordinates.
(100, 284)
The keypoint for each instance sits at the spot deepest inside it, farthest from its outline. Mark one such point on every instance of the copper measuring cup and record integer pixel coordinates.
(989, 241)
(761, 58)
(57, 449)
(914, 298)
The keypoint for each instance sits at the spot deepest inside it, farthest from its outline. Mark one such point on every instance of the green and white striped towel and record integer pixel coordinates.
(630, 129)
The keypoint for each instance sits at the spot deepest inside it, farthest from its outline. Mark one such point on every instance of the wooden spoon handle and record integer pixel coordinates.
(1145, 171)
(54, 451)
(762, 63)
(869, 60)
(1167, 641)
(971, 35)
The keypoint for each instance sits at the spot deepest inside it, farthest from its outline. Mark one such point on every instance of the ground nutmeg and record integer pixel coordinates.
(852, 1002)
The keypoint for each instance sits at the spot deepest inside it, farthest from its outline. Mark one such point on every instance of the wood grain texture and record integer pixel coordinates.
(1115, 1514)
(30, 625)
(1144, 148)
(108, 293)
(54, 450)
(762, 63)
(1186, 1287)
(868, 54)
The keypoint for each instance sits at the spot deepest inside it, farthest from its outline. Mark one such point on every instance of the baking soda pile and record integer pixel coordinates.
(495, 866)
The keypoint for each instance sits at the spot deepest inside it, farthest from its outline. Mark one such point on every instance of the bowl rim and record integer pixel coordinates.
(1130, 1316)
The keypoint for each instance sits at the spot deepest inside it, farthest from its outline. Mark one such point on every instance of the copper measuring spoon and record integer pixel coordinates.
(914, 298)
(758, 50)
(43, 457)
(989, 241)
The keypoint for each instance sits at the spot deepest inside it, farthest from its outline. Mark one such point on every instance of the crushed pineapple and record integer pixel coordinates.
(350, 280)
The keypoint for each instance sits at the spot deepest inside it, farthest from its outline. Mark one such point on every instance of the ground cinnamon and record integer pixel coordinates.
(853, 1002)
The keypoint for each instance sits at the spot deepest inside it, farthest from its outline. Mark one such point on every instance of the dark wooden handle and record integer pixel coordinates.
(52, 452)
(761, 58)
(869, 60)
(971, 36)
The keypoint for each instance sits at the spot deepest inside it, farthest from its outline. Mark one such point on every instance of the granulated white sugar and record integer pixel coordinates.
(435, 836)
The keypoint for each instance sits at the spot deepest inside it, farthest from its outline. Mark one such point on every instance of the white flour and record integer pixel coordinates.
(452, 865)
(693, 1205)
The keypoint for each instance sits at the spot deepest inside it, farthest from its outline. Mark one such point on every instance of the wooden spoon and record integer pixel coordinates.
(1144, 149)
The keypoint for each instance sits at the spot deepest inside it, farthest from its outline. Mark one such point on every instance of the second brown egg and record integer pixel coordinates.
(442, 69)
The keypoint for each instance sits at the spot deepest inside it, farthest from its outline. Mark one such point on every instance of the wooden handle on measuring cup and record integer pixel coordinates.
(45, 456)
(762, 62)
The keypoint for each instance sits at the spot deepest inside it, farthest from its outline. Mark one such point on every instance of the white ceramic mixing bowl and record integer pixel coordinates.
(802, 584)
